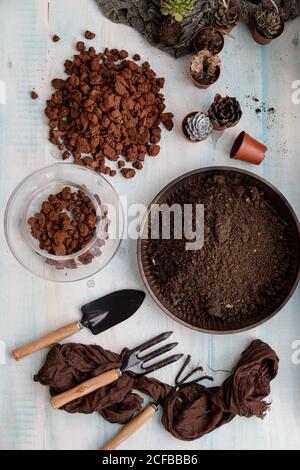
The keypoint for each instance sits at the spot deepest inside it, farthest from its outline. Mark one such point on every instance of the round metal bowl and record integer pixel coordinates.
(283, 210)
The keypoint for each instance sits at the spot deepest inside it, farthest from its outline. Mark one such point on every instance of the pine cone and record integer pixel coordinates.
(224, 112)
(268, 22)
(226, 17)
(198, 127)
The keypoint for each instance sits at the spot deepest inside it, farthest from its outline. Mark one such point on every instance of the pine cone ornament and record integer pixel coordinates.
(227, 14)
(224, 112)
(269, 22)
(178, 9)
(198, 127)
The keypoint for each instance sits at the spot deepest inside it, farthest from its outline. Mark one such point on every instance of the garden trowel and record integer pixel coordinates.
(98, 316)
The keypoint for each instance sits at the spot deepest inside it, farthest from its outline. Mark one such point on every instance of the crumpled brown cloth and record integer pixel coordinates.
(188, 413)
(69, 364)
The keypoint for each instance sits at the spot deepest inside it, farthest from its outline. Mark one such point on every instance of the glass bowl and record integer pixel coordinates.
(27, 199)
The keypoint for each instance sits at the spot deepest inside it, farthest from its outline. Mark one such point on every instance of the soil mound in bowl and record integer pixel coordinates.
(248, 265)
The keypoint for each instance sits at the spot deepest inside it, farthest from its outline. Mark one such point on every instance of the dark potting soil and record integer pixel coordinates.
(209, 39)
(169, 32)
(241, 273)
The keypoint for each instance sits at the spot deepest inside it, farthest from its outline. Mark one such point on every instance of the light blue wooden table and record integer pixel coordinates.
(30, 306)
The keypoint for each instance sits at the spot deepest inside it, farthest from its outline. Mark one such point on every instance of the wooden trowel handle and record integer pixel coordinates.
(85, 388)
(130, 428)
(47, 340)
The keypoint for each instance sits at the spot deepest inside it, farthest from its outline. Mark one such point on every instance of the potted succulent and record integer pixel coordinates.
(227, 15)
(224, 112)
(210, 39)
(173, 12)
(267, 24)
(205, 69)
(196, 126)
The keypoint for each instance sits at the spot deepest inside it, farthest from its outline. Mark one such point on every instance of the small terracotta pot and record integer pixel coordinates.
(262, 40)
(248, 149)
(203, 29)
(183, 126)
(202, 85)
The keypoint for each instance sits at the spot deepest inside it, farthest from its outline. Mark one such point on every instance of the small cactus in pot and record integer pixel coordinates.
(205, 68)
(197, 126)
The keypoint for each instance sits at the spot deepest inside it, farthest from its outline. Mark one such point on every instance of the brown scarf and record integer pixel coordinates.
(189, 412)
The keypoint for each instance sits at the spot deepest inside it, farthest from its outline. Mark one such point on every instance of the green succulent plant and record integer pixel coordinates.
(178, 9)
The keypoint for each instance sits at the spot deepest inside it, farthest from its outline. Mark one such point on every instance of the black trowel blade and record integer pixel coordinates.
(111, 309)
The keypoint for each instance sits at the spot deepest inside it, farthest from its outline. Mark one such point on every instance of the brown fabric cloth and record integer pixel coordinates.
(243, 393)
(189, 412)
(195, 410)
(70, 364)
